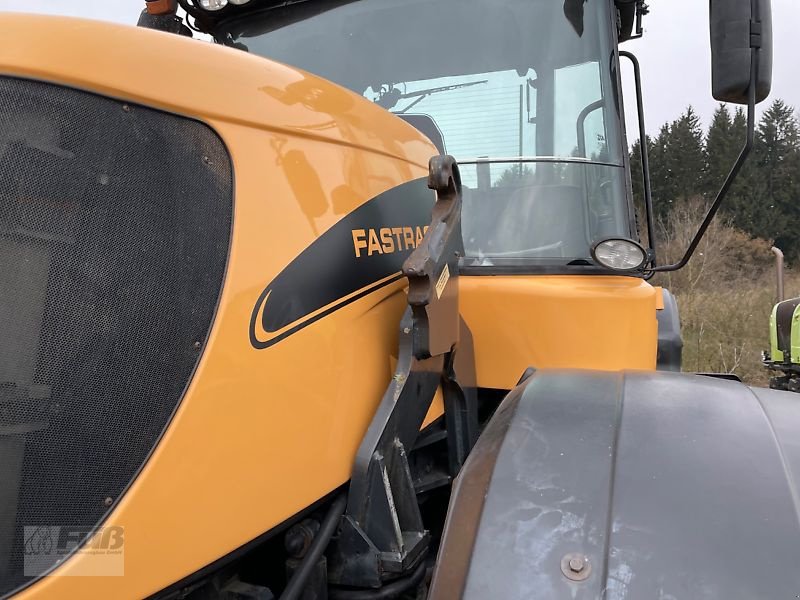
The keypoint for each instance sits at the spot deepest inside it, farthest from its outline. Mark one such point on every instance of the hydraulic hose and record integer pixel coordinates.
(387, 592)
(296, 584)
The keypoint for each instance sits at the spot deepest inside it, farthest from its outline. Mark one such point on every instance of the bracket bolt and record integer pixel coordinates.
(576, 566)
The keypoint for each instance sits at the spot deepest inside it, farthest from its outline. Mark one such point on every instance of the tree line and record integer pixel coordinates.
(687, 162)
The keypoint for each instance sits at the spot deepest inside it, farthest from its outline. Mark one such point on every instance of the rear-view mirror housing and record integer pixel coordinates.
(737, 26)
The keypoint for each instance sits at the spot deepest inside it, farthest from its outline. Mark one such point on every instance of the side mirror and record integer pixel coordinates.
(737, 28)
(741, 73)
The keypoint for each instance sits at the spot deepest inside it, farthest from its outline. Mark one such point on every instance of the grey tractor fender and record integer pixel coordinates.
(662, 485)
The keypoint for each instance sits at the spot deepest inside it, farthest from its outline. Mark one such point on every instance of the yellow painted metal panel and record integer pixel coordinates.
(547, 322)
(260, 434)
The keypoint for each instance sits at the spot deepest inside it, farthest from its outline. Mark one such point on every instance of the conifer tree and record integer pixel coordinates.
(721, 150)
(765, 199)
(777, 160)
(660, 172)
(687, 156)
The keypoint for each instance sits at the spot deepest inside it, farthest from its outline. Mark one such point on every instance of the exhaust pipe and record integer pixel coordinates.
(778, 271)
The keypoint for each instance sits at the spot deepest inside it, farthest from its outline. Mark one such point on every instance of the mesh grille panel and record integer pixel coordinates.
(114, 230)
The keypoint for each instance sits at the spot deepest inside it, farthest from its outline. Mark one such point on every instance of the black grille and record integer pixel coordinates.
(114, 230)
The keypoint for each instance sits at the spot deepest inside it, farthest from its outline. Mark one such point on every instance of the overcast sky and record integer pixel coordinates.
(676, 61)
(674, 52)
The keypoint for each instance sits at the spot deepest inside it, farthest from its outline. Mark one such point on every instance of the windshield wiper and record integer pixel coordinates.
(392, 96)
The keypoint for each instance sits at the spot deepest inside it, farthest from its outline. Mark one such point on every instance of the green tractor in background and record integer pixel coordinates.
(783, 356)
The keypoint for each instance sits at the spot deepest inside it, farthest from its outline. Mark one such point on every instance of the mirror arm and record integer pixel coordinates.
(648, 193)
(712, 211)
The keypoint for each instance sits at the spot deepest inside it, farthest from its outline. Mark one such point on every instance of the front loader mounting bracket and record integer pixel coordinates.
(382, 536)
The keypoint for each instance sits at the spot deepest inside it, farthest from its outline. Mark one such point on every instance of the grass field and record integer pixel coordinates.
(725, 294)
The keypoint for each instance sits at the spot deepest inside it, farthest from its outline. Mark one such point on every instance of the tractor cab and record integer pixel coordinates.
(524, 94)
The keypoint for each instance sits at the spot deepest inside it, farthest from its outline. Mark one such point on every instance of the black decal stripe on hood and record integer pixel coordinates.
(261, 344)
(328, 274)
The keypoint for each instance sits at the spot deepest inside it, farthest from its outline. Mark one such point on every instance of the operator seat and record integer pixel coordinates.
(428, 127)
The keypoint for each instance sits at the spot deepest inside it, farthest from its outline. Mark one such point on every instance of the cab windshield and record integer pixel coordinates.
(522, 92)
